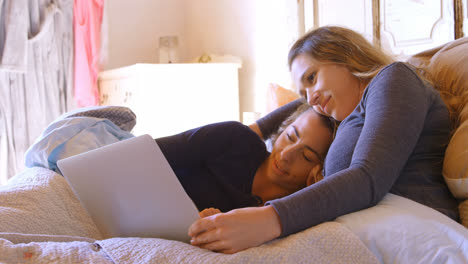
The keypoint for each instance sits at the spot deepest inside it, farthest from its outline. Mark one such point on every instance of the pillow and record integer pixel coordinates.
(278, 96)
(463, 208)
(448, 65)
(455, 168)
(456, 159)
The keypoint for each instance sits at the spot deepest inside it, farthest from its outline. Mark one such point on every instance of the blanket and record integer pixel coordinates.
(70, 136)
(43, 222)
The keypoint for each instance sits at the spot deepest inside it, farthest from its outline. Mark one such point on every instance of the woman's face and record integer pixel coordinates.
(298, 150)
(329, 87)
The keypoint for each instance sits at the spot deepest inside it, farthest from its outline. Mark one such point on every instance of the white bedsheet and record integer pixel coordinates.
(329, 242)
(399, 230)
(51, 252)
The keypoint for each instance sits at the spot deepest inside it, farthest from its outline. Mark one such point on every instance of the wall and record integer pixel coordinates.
(134, 28)
(258, 32)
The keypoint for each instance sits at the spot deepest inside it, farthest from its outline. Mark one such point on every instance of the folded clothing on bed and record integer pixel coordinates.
(75, 132)
(122, 116)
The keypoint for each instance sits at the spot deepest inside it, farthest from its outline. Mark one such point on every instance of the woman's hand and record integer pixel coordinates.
(236, 230)
(208, 212)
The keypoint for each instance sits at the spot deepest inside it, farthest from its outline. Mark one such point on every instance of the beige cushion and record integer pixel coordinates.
(448, 67)
(456, 160)
(463, 208)
(278, 96)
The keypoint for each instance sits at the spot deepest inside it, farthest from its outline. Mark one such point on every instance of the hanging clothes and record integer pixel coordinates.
(87, 23)
(36, 49)
(13, 47)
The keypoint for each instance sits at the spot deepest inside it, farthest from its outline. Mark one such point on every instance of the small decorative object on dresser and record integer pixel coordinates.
(171, 98)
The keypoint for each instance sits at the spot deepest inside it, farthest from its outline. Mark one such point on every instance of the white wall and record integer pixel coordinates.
(134, 28)
(258, 31)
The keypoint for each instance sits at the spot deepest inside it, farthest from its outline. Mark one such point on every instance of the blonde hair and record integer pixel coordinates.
(350, 49)
(344, 47)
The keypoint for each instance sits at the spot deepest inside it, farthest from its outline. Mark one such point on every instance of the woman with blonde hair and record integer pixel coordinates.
(394, 128)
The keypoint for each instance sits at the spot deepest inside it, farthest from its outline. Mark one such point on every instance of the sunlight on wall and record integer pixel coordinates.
(276, 28)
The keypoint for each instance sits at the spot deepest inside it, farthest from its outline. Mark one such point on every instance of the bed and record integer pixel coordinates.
(41, 221)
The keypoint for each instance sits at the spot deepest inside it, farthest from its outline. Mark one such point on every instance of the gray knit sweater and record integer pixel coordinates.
(394, 141)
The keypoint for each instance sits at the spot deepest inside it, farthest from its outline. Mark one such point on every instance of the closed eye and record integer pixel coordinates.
(295, 132)
(306, 158)
(312, 155)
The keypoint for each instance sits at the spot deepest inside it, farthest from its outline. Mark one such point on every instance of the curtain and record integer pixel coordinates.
(88, 17)
(36, 73)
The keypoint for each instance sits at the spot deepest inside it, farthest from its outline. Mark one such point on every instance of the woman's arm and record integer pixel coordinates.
(257, 130)
(236, 230)
(270, 123)
(368, 154)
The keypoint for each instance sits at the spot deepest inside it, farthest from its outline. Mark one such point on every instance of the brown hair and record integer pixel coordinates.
(329, 122)
(344, 47)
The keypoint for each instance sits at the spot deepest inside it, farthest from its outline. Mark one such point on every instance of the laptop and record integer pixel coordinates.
(130, 190)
